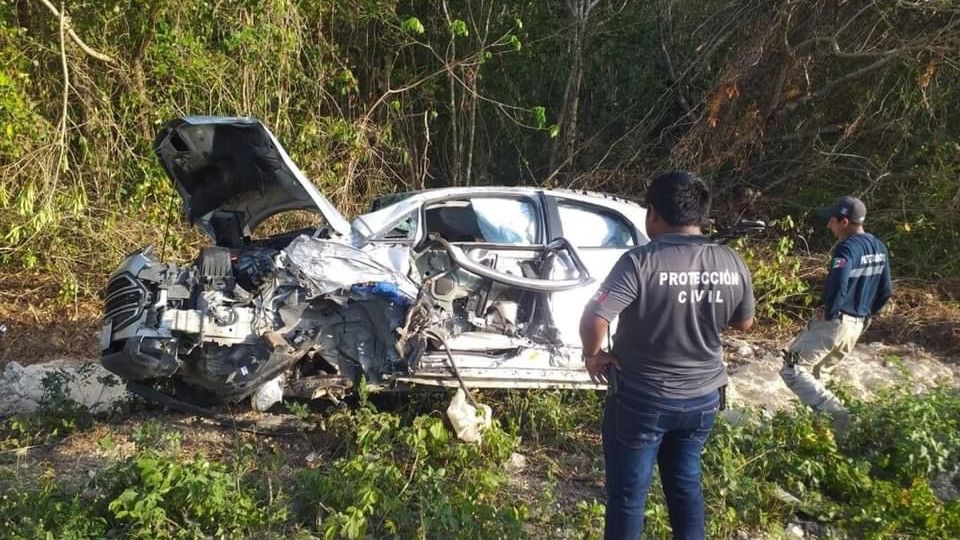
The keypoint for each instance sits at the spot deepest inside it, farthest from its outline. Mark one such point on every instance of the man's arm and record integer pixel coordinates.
(885, 290)
(743, 326)
(742, 317)
(593, 328)
(618, 291)
(835, 289)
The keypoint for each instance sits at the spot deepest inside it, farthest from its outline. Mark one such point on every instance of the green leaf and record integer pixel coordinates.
(554, 131)
(539, 115)
(515, 43)
(459, 28)
(413, 25)
(438, 432)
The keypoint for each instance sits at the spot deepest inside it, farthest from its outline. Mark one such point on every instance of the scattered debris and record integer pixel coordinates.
(468, 420)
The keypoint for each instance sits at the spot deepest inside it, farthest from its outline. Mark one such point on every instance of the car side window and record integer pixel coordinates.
(497, 220)
(405, 229)
(590, 226)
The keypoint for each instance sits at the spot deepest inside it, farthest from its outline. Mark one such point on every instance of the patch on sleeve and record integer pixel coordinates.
(838, 262)
(599, 296)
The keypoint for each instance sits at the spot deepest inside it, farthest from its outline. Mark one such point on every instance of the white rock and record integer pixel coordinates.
(794, 531)
(787, 497)
(866, 370)
(89, 384)
(946, 486)
(516, 464)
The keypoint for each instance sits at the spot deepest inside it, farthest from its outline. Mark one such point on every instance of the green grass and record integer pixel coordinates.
(400, 473)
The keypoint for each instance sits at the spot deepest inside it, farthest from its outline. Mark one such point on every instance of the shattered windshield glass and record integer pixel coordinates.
(405, 229)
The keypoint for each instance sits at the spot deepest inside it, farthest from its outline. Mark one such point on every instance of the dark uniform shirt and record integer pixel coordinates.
(858, 282)
(674, 296)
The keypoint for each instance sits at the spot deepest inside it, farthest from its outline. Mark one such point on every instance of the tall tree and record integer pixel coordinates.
(564, 146)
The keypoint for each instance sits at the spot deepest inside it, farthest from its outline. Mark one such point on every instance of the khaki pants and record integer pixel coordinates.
(819, 348)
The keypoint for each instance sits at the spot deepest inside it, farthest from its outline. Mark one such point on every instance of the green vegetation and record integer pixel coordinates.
(780, 112)
(402, 474)
(777, 283)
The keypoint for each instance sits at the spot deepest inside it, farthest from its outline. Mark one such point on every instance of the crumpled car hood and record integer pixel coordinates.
(236, 165)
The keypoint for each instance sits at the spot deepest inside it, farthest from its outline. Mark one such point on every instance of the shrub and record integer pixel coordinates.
(409, 482)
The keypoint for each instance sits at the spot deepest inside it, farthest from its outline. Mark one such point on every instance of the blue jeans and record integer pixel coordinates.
(639, 429)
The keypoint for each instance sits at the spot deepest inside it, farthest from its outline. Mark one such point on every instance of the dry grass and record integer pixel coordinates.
(923, 312)
(40, 326)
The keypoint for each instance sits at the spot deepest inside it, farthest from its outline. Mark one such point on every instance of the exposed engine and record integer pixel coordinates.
(315, 310)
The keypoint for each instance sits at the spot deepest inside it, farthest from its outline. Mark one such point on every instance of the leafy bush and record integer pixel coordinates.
(57, 414)
(409, 481)
(876, 484)
(906, 437)
(556, 418)
(164, 497)
(49, 512)
(777, 283)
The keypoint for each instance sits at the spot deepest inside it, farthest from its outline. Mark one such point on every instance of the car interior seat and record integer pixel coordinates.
(454, 223)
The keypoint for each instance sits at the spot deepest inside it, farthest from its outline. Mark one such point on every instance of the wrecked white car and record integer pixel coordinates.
(481, 287)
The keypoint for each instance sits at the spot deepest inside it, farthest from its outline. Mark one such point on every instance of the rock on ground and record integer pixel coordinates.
(755, 380)
(22, 387)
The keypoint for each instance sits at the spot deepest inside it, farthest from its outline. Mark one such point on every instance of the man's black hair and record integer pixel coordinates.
(680, 198)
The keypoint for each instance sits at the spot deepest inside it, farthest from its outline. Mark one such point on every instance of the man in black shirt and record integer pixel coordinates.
(674, 296)
(858, 285)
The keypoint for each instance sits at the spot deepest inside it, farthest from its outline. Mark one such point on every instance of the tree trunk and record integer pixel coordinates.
(565, 145)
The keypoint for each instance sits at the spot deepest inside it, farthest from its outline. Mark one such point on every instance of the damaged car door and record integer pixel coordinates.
(487, 268)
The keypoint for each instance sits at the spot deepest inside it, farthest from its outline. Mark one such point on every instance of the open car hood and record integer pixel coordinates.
(235, 166)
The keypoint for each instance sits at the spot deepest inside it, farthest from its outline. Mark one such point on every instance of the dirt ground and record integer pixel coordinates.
(39, 325)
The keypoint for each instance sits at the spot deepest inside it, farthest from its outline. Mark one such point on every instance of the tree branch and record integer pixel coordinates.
(73, 35)
(835, 48)
(681, 99)
(790, 106)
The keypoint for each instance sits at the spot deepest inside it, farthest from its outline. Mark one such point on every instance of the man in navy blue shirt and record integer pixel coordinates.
(858, 285)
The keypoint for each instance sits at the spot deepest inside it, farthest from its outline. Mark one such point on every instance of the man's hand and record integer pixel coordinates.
(598, 365)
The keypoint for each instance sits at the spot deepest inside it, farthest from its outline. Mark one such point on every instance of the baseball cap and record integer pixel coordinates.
(848, 207)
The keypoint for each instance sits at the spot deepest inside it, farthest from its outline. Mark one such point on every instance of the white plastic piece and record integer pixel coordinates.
(270, 393)
(468, 421)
